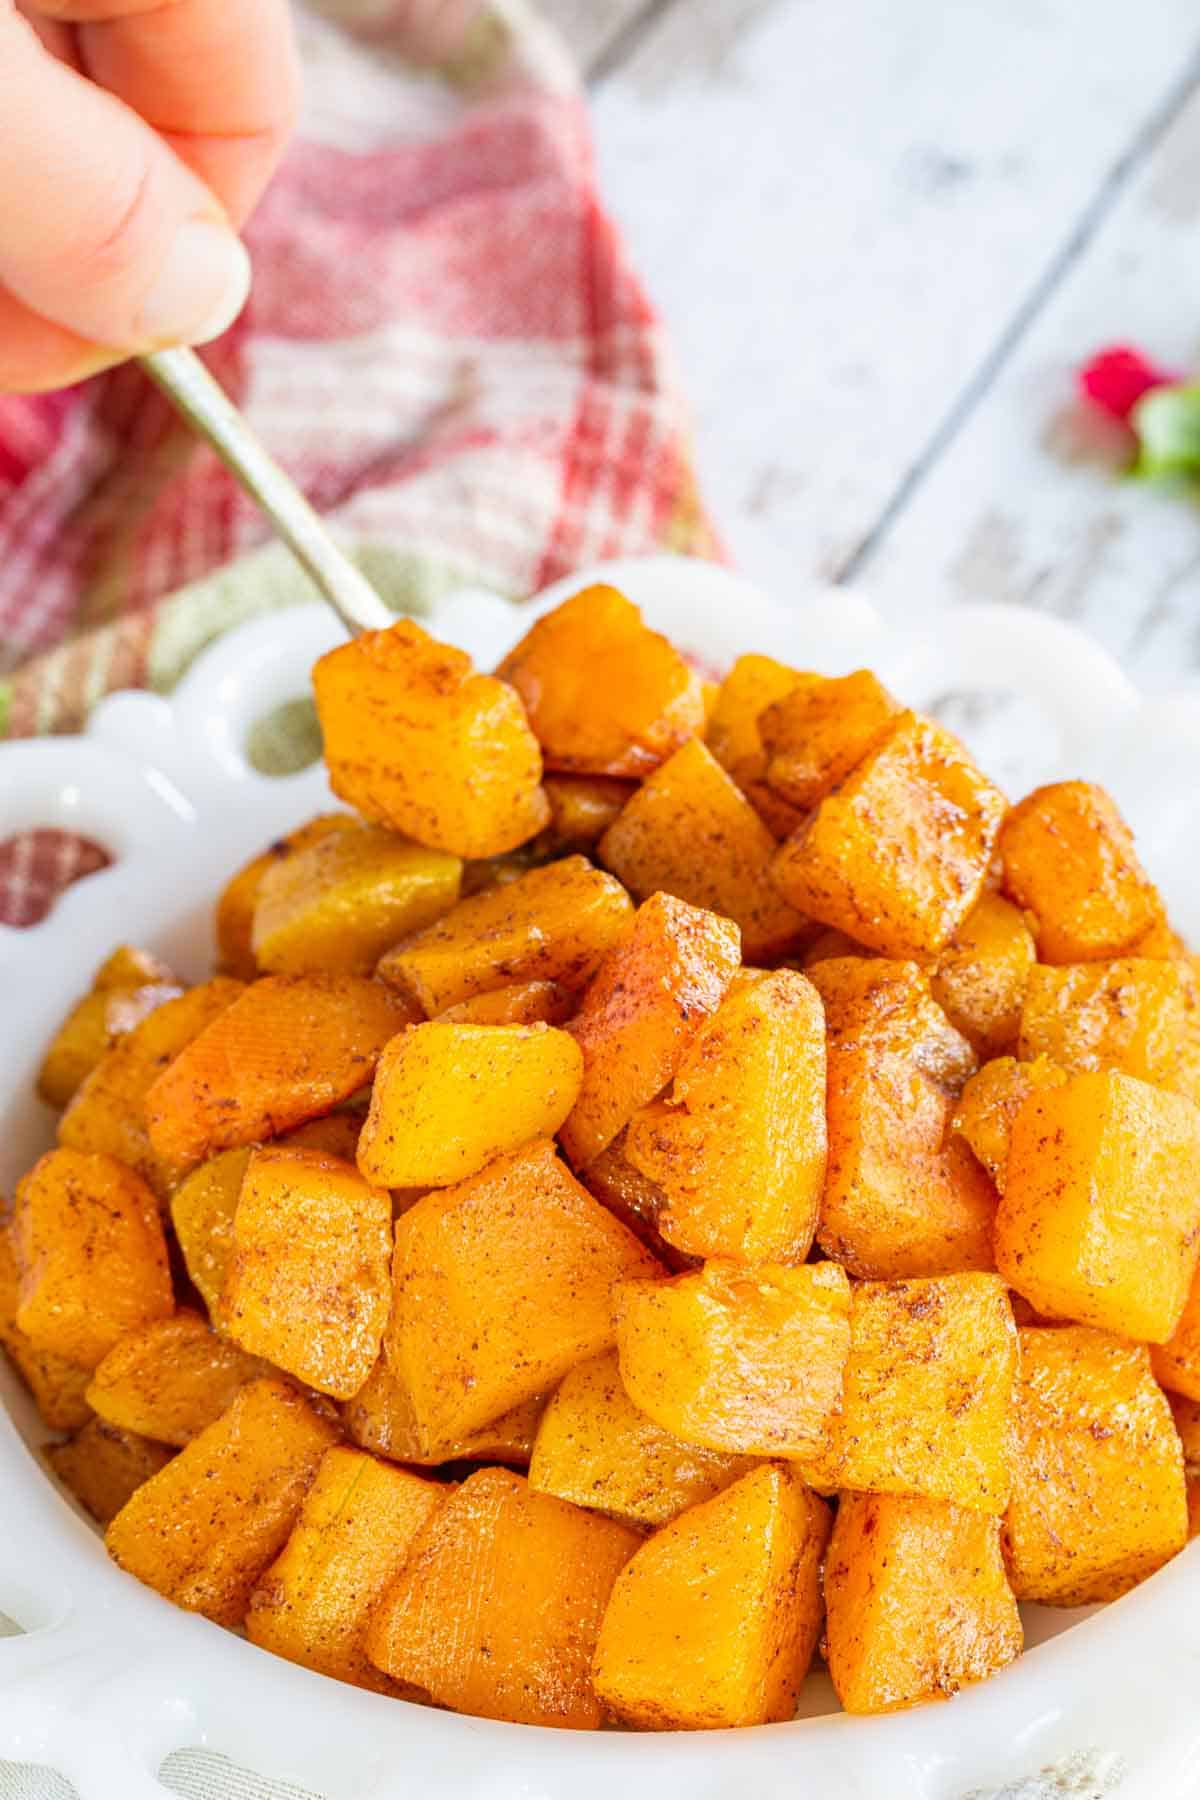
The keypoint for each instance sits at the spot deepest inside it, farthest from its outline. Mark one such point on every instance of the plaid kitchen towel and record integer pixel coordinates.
(445, 346)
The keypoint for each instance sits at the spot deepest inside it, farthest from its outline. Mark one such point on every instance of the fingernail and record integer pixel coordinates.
(200, 289)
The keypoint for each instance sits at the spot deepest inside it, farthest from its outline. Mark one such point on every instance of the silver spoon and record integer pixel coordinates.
(207, 407)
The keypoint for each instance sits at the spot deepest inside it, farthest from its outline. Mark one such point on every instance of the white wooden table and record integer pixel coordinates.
(883, 234)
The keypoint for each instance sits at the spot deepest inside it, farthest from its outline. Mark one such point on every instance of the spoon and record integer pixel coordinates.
(207, 407)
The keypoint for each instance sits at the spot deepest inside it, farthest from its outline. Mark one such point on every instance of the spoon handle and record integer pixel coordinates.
(206, 406)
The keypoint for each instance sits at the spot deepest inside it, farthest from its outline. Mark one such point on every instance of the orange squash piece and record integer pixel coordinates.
(644, 1006)
(1098, 1498)
(901, 1196)
(737, 1147)
(129, 966)
(929, 1392)
(498, 1607)
(336, 1134)
(981, 978)
(357, 1525)
(380, 1418)
(202, 1209)
(550, 924)
(521, 1003)
(103, 1467)
(1186, 1414)
(1128, 1014)
(90, 1254)
(171, 1379)
(691, 832)
(1176, 1363)
(605, 694)
(235, 907)
(91, 1028)
(582, 807)
(336, 906)
(818, 733)
(57, 1386)
(502, 1284)
(917, 1604)
(897, 855)
(595, 1448)
(1100, 1218)
(449, 1098)
(309, 1287)
(204, 1528)
(741, 1360)
(1069, 859)
(713, 1622)
(289, 1049)
(107, 1115)
(991, 1100)
(415, 739)
(734, 738)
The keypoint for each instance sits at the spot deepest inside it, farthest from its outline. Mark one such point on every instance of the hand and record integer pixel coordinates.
(135, 137)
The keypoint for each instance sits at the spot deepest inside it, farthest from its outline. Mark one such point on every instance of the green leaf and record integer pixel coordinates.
(1167, 423)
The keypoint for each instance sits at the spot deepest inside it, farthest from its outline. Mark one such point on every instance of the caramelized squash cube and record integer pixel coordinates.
(336, 906)
(901, 1197)
(897, 855)
(380, 1418)
(1098, 1498)
(1128, 1014)
(415, 739)
(713, 1622)
(90, 1253)
(981, 978)
(91, 1028)
(289, 1049)
(733, 735)
(171, 1379)
(643, 1008)
(819, 733)
(991, 1100)
(309, 1287)
(605, 694)
(634, 1199)
(916, 1600)
(1069, 859)
(595, 1448)
(498, 1608)
(202, 1209)
(449, 1098)
(521, 1003)
(738, 1145)
(202, 1531)
(582, 807)
(356, 1528)
(691, 832)
(131, 967)
(1100, 1218)
(104, 1466)
(57, 1386)
(239, 897)
(741, 1360)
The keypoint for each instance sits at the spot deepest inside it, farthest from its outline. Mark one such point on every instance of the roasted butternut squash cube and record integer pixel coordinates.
(981, 978)
(818, 733)
(929, 1391)
(644, 1006)
(309, 1286)
(131, 967)
(202, 1531)
(171, 1379)
(57, 1386)
(897, 855)
(733, 735)
(582, 807)
(605, 694)
(991, 1100)
(357, 1525)
(690, 831)
(336, 1134)
(449, 1098)
(336, 906)
(521, 1003)
(1098, 1499)
(1100, 1218)
(738, 1145)
(107, 1115)
(1176, 1363)
(497, 1610)
(380, 1418)
(1128, 1014)
(91, 1028)
(1069, 859)
(290, 1048)
(550, 924)
(901, 1196)
(417, 740)
(502, 1284)
(917, 1603)
(202, 1209)
(239, 898)
(713, 1621)
(634, 1199)
(744, 1360)
(90, 1253)
(104, 1466)
(595, 1448)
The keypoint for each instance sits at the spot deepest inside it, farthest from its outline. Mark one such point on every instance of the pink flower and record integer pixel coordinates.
(1115, 379)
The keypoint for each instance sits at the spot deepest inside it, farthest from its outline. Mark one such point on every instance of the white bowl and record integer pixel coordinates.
(107, 1678)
